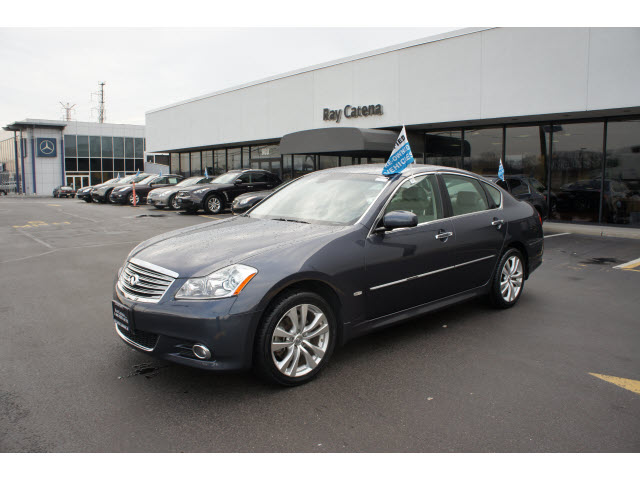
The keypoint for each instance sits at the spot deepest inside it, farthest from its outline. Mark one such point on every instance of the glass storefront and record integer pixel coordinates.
(621, 199)
(444, 148)
(96, 159)
(484, 152)
(576, 171)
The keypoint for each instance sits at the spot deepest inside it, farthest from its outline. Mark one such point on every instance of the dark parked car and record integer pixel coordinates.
(102, 194)
(244, 202)
(220, 193)
(63, 191)
(528, 189)
(581, 201)
(85, 192)
(125, 193)
(166, 196)
(332, 255)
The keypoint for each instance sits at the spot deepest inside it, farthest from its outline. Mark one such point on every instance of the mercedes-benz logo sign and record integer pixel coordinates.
(133, 280)
(47, 147)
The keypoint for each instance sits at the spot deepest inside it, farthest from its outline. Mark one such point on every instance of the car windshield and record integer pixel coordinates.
(331, 198)
(189, 181)
(147, 180)
(226, 178)
(113, 180)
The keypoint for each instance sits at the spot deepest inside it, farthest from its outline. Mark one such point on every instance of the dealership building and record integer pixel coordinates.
(38, 155)
(561, 105)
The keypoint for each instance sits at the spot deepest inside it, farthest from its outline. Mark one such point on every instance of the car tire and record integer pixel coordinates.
(306, 349)
(508, 281)
(130, 199)
(173, 202)
(88, 200)
(213, 204)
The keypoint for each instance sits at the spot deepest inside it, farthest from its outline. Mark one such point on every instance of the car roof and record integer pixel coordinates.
(376, 169)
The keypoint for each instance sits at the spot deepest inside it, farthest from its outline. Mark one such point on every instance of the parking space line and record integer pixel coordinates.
(34, 238)
(629, 265)
(556, 235)
(631, 385)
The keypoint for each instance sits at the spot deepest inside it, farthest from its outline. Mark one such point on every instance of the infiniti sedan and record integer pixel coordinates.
(333, 255)
(166, 196)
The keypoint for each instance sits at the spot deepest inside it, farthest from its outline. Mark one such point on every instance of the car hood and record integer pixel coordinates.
(200, 250)
(194, 187)
(161, 190)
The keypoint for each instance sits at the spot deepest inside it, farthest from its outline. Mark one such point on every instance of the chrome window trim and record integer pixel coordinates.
(131, 342)
(414, 277)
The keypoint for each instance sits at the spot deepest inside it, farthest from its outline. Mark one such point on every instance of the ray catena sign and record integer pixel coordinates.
(351, 112)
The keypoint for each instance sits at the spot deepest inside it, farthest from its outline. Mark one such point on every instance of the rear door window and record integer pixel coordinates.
(466, 194)
(495, 195)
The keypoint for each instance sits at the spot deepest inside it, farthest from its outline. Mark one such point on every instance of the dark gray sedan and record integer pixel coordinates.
(333, 255)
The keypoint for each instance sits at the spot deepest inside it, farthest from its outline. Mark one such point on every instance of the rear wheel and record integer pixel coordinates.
(213, 204)
(295, 339)
(173, 202)
(508, 281)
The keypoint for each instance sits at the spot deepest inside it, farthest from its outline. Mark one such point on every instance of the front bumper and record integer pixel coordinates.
(189, 203)
(118, 197)
(158, 201)
(171, 327)
(83, 196)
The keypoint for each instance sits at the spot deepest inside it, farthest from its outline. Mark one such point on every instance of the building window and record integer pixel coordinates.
(220, 160)
(107, 146)
(107, 164)
(83, 146)
(185, 167)
(303, 164)
(327, 162)
(196, 163)
(621, 200)
(138, 147)
(526, 153)
(175, 163)
(118, 147)
(70, 164)
(207, 162)
(94, 147)
(485, 150)
(128, 147)
(234, 157)
(70, 146)
(83, 164)
(445, 148)
(576, 167)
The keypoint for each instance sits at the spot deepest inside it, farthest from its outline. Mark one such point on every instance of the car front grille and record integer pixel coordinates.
(145, 282)
(145, 340)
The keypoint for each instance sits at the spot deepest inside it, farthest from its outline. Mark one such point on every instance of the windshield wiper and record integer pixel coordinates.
(288, 220)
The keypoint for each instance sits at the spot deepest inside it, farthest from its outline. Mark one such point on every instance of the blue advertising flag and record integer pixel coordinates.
(501, 171)
(138, 172)
(400, 157)
(206, 173)
(160, 176)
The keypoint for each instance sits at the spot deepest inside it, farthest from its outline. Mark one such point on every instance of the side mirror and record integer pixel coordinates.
(238, 182)
(397, 219)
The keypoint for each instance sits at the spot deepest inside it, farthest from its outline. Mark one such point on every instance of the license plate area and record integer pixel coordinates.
(123, 316)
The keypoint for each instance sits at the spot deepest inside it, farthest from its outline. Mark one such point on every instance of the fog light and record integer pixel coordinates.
(202, 352)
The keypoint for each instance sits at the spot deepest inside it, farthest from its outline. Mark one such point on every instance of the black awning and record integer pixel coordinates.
(342, 140)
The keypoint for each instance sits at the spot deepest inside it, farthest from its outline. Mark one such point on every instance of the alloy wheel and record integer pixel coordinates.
(300, 340)
(174, 202)
(214, 205)
(511, 279)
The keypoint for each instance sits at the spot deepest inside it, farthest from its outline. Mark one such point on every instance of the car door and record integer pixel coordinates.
(479, 227)
(259, 181)
(410, 266)
(240, 187)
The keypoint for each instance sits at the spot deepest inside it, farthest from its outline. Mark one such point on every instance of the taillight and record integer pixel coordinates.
(539, 217)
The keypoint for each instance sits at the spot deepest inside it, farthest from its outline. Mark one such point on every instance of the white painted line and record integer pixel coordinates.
(36, 239)
(556, 235)
(631, 264)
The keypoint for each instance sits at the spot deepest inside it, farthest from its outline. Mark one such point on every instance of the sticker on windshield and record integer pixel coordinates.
(382, 179)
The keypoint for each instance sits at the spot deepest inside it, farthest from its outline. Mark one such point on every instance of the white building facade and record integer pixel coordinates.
(561, 105)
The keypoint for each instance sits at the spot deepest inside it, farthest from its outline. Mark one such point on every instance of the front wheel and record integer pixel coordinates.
(508, 281)
(173, 202)
(295, 339)
(130, 199)
(213, 204)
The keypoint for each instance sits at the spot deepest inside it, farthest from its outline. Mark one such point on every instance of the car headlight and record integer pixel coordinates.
(226, 282)
(244, 201)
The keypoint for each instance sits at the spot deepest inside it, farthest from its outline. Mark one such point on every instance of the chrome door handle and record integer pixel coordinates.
(497, 222)
(443, 235)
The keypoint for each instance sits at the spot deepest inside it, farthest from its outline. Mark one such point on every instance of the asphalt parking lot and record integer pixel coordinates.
(466, 379)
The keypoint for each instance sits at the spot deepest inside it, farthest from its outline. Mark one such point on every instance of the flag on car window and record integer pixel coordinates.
(160, 176)
(206, 173)
(501, 171)
(138, 172)
(400, 157)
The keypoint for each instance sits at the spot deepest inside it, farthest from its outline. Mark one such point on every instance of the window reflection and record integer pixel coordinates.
(621, 200)
(485, 151)
(576, 171)
(444, 148)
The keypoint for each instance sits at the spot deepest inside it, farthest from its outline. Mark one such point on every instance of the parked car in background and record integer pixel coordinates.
(244, 202)
(332, 255)
(581, 201)
(125, 194)
(214, 197)
(85, 192)
(166, 196)
(528, 189)
(64, 191)
(102, 194)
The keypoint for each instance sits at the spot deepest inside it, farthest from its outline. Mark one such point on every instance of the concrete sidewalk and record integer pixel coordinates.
(597, 230)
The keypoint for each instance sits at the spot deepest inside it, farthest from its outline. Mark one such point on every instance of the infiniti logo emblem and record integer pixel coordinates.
(134, 279)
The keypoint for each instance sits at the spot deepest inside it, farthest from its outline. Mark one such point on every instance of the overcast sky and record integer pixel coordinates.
(148, 68)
